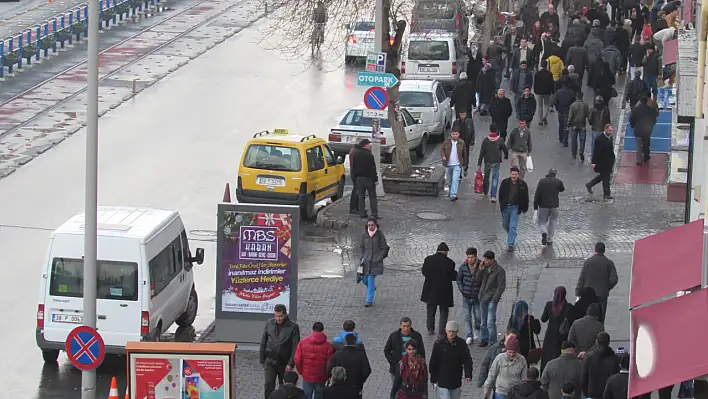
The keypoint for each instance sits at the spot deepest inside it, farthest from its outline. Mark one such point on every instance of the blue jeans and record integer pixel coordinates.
(594, 135)
(312, 390)
(499, 396)
(370, 284)
(498, 78)
(488, 313)
(447, 393)
(651, 83)
(471, 308)
(510, 218)
(453, 177)
(493, 170)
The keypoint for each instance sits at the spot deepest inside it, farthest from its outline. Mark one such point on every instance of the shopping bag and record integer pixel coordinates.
(529, 163)
(478, 182)
(535, 216)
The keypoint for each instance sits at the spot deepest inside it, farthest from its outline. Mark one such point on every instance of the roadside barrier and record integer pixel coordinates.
(61, 31)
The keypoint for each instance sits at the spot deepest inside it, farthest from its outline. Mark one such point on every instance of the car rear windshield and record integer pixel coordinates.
(435, 10)
(416, 99)
(355, 117)
(428, 50)
(272, 157)
(116, 280)
(364, 26)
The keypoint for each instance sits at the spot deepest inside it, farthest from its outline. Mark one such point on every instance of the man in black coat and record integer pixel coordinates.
(543, 88)
(617, 385)
(500, 110)
(546, 202)
(449, 360)
(289, 389)
(364, 171)
(394, 349)
(354, 360)
(485, 88)
(578, 57)
(600, 274)
(636, 90)
(439, 272)
(603, 162)
(529, 389)
(652, 69)
(599, 364)
(643, 119)
(277, 350)
(564, 98)
(462, 97)
(513, 201)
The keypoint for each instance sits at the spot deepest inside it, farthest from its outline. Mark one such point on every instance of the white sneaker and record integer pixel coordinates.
(477, 335)
(469, 340)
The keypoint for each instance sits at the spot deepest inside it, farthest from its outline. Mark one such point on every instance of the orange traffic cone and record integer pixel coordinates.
(127, 396)
(227, 194)
(113, 394)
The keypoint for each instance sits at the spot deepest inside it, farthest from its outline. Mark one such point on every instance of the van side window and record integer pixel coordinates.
(164, 267)
(315, 159)
(185, 249)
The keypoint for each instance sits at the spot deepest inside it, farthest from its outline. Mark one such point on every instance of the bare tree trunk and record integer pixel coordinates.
(489, 23)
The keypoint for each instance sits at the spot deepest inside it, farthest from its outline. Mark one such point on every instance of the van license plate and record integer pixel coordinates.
(428, 70)
(67, 318)
(271, 181)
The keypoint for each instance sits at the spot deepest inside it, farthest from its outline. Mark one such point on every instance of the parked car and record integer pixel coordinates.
(440, 15)
(434, 56)
(354, 127)
(427, 100)
(360, 41)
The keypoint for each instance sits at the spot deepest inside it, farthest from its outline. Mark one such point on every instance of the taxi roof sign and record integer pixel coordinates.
(275, 131)
(280, 131)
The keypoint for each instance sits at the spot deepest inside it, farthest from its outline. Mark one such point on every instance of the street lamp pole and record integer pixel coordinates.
(88, 378)
(378, 47)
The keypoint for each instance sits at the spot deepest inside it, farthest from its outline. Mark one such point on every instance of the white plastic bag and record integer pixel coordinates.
(535, 216)
(529, 164)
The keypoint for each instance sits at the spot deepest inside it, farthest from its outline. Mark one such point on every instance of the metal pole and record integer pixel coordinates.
(88, 378)
(378, 47)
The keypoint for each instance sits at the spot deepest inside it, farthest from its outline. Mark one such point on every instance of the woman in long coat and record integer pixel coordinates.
(373, 251)
(554, 313)
(526, 325)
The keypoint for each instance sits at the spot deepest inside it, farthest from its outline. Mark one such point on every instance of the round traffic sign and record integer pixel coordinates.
(376, 98)
(85, 348)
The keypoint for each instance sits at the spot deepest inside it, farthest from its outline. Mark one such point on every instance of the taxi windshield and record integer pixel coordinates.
(272, 157)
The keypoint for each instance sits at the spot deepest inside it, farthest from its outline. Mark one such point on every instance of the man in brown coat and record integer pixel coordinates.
(455, 156)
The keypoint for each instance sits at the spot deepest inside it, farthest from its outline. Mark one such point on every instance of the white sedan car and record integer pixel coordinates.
(428, 101)
(354, 127)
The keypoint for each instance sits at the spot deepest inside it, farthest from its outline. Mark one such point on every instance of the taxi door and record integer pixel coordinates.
(331, 172)
(316, 177)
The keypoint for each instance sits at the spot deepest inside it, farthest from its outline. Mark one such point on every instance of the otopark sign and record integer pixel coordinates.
(372, 79)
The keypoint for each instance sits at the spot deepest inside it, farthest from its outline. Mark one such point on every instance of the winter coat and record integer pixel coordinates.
(520, 81)
(339, 344)
(413, 380)
(598, 272)
(462, 96)
(543, 83)
(364, 165)
(546, 17)
(547, 191)
(637, 88)
(584, 331)
(636, 54)
(278, 343)
(439, 272)
(603, 80)
(462, 152)
(489, 356)
(622, 42)
(593, 46)
(356, 364)
(523, 195)
(448, 362)
(565, 97)
(553, 339)
(288, 391)
(526, 108)
(652, 65)
(500, 110)
(527, 390)
(610, 36)
(578, 57)
(505, 373)
(520, 139)
(578, 113)
(394, 349)
(598, 118)
(555, 66)
(643, 119)
(598, 366)
(496, 52)
(493, 284)
(612, 56)
(474, 66)
(527, 333)
(491, 151)
(340, 391)
(617, 386)
(469, 281)
(311, 357)
(373, 251)
(565, 368)
(486, 86)
(603, 157)
(467, 132)
(516, 58)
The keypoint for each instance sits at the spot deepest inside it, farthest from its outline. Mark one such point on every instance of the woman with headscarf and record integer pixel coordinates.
(587, 297)
(374, 250)
(526, 325)
(555, 312)
(413, 373)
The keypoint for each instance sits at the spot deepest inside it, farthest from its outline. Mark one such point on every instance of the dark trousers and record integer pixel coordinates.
(643, 146)
(617, 13)
(605, 179)
(366, 184)
(442, 321)
(501, 127)
(354, 199)
(562, 131)
(602, 303)
(271, 371)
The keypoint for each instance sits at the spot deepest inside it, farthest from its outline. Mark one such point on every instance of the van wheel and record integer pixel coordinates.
(307, 210)
(50, 355)
(186, 319)
(340, 190)
(422, 147)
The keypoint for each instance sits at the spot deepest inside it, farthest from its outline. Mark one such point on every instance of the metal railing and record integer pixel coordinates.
(36, 42)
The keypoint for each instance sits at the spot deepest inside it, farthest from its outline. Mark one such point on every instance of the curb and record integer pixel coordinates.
(325, 221)
(207, 332)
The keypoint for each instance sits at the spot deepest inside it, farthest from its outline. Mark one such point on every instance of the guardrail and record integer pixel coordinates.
(65, 28)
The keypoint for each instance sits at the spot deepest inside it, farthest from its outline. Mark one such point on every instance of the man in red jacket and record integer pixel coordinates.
(311, 357)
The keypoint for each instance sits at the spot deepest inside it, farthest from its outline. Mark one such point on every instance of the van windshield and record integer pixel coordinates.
(435, 10)
(416, 99)
(428, 50)
(272, 157)
(116, 280)
(364, 27)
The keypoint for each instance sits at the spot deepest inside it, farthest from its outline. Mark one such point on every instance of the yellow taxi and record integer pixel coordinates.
(282, 168)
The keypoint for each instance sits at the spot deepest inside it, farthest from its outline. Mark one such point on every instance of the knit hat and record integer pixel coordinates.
(512, 344)
(442, 247)
(452, 325)
(596, 22)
